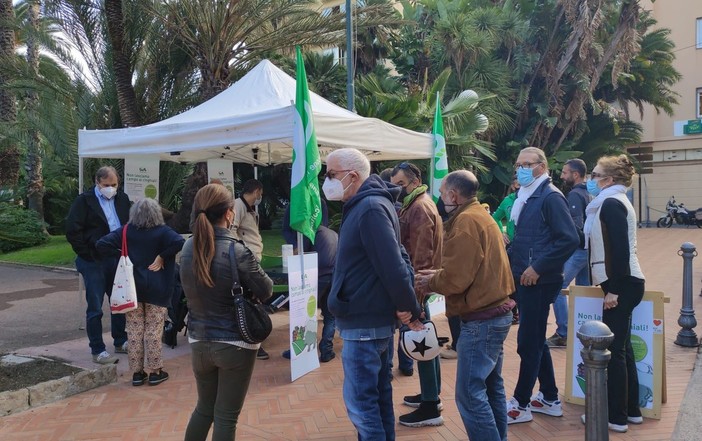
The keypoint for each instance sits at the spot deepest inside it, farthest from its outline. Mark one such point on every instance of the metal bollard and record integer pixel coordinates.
(686, 336)
(596, 338)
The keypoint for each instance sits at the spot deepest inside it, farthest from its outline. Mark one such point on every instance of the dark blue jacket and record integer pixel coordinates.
(143, 245)
(373, 276)
(290, 235)
(578, 198)
(545, 235)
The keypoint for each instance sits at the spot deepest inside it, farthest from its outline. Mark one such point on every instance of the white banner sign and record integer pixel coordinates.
(222, 170)
(141, 177)
(647, 332)
(303, 315)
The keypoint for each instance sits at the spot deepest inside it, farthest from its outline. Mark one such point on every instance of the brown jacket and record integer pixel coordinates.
(475, 274)
(421, 232)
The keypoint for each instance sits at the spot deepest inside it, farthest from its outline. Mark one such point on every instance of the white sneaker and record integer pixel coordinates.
(448, 353)
(104, 357)
(540, 405)
(619, 428)
(635, 420)
(516, 413)
(124, 349)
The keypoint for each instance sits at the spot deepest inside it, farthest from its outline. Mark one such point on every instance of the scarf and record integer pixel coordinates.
(594, 206)
(407, 201)
(523, 195)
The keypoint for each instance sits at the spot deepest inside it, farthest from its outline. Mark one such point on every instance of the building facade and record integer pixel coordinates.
(675, 141)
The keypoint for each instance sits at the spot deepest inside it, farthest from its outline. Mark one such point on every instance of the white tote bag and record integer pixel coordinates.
(124, 295)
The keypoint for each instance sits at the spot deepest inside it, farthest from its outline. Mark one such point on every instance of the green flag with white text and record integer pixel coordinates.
(439, 163)
(305, 206)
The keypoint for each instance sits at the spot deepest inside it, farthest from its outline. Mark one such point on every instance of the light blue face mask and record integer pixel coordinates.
(592, 187)
(525, 176)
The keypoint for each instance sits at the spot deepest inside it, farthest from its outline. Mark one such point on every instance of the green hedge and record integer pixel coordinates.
(19, 228)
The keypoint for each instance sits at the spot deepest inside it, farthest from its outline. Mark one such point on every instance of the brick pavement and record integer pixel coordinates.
(312, 407)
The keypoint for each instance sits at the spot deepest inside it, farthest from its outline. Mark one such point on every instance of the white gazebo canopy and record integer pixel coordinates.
(252, 122)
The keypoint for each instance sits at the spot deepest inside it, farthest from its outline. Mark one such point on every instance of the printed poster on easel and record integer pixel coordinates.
(647, 339)
(303, 315)
(141, 177)
(221, 169)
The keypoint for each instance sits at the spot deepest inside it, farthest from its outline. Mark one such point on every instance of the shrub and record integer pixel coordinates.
(19, 228)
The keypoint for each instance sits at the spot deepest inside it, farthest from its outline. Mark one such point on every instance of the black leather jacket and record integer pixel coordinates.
(211, 315)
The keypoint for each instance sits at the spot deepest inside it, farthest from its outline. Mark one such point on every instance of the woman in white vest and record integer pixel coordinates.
(610, 231)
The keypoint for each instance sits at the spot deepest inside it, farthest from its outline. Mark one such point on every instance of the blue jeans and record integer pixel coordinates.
(575, 268)
(405, 362)
(455, 329)
(98, 277)
(326, 344)
(534, 305)
(367, 389)
(480, 391)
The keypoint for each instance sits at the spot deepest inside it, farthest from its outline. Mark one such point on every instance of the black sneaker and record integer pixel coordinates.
(416, 400)
(139, 378)
(407, 372)
(262, 355)
(556, 341)
(158, 378)
(326, 358)
(427, 415)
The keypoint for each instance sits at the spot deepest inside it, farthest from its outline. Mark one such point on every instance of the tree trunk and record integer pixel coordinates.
(9, 153)
(35, 176)
(121, 60)
(198, 179)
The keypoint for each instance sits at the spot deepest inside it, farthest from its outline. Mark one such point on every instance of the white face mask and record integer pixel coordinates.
(333, 189)
(258, 200)
(108, 192)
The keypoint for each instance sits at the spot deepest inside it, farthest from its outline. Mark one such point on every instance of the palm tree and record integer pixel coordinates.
(122, 64)
(384, 97)
(9, 152)
(35, 153)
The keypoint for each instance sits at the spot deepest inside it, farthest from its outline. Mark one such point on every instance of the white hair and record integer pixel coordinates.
(352, 159)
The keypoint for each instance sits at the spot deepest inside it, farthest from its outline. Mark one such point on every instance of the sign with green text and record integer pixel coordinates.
(693, 127)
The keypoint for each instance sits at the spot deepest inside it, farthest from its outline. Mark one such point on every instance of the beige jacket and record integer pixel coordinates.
(475, 274)
(245, 227)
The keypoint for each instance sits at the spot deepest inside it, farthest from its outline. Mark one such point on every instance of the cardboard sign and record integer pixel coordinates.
(303, 314)
(141, 177)
(647, 340)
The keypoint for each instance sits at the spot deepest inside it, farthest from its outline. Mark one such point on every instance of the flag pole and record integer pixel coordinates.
(301, 252)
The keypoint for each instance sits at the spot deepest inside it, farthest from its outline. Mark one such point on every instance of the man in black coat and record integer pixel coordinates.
(93, 214)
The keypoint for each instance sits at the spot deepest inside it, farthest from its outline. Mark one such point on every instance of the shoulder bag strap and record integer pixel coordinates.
(236, 286)
(124, 241)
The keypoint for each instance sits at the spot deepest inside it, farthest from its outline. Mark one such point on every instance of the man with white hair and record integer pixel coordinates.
(372, 284)
(544, 238)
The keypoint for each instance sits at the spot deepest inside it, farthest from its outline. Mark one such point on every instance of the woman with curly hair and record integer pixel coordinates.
(610, 230)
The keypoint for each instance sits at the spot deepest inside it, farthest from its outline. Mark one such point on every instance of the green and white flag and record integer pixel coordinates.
(305, 206)
(439, 163)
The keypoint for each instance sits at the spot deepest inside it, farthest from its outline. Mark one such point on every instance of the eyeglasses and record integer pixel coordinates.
(596, 175)
(331, 174)
(526, 165)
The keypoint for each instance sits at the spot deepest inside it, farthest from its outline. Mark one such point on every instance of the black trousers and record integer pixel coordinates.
(622, 376)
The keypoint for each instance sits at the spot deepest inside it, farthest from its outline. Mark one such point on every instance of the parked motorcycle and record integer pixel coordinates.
(679, 214)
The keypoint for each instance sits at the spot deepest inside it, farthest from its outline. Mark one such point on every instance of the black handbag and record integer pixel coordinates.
(251, 317)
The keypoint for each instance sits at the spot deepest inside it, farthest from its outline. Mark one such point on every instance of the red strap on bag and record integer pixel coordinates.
(124, 241)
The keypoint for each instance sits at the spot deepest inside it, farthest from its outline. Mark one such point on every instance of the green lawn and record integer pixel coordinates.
(57, 252)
